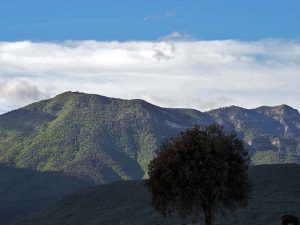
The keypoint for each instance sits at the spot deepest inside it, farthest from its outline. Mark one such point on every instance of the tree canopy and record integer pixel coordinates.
(201, 170)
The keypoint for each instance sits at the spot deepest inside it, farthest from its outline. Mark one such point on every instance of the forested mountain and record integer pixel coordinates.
(74, 140)
(90, 136)
(272, 134)
(107, 139)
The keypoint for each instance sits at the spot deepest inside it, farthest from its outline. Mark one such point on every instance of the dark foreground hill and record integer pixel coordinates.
(275, 192)
(107, 139)
(24, 191)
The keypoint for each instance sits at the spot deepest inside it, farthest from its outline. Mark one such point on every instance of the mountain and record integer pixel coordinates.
(108, 139)
(275, 193)
(74, 140)
(271, 133)
(93, 136)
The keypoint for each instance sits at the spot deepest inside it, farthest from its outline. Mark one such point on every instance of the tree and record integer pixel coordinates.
(201, 170)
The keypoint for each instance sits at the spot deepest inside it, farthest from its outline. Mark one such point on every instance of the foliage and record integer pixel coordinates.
(202, 169)
(103, 138)
(110, 139)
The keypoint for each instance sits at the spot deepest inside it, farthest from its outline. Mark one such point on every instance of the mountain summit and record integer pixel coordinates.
(107, 139)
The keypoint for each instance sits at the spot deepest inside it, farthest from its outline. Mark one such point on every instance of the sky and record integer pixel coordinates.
(200, 54)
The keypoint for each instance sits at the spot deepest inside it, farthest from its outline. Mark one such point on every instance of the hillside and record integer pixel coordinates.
(24, 191)
(271, 133)
(90, 136)
(107, 139)
(74, 140)
(275, 192)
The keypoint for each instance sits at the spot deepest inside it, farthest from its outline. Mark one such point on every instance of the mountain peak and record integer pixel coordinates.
(70, 94)
(286, 108)
(280, 110)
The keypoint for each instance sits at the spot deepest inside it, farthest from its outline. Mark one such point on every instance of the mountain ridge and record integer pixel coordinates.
(109, 139)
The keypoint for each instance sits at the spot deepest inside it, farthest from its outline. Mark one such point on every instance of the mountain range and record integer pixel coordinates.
(106, 139)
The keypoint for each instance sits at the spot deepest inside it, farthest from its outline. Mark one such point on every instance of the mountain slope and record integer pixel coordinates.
(109, 139)
(271, 133)
(92, 139)
(24, 191)
(89, 135)
(275, 193)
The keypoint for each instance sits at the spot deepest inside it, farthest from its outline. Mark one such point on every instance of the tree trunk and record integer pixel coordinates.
(208, 216)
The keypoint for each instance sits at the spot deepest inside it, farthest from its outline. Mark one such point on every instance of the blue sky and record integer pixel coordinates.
(200, 54)
(57, 20)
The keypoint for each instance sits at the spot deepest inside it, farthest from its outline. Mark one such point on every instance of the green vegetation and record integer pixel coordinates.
(275, 192)
(108, 139)
(271, 133)
(92, 136)
(86, 139)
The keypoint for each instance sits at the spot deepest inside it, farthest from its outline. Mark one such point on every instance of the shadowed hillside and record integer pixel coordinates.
(275, 192)
(24, 191)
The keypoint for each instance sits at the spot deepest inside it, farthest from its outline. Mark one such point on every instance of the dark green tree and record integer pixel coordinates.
(201, 170)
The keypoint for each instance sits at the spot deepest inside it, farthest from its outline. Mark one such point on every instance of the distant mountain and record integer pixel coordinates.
(108, 139)
(275, 193)
(271, 133)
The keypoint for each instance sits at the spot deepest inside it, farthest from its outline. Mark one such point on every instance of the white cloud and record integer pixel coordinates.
(20, 90)
(177, 36)
(16, 92)
(196, 74)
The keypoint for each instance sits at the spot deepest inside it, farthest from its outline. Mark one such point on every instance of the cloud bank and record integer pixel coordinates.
(170, 73)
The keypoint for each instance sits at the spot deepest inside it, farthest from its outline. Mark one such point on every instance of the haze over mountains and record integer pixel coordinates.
(106, 139)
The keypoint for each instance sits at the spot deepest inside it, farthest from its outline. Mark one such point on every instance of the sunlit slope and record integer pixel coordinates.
(110, 139)
(103, 138)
